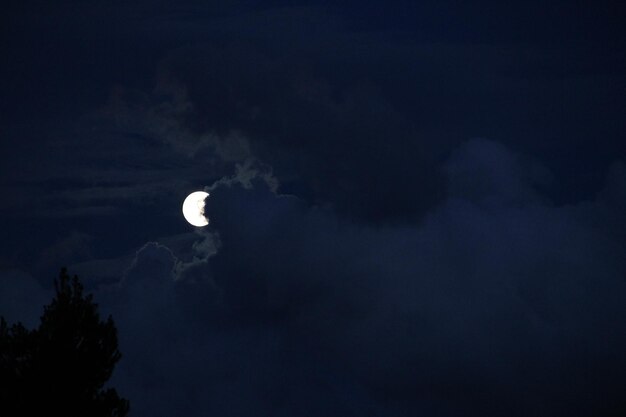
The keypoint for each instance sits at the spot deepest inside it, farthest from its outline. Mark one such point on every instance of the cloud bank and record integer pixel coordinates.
(497, 302)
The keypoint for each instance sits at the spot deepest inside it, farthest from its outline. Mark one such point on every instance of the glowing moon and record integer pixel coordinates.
(193, 209)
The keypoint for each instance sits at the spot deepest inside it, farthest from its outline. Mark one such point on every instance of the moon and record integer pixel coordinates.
(193, 208)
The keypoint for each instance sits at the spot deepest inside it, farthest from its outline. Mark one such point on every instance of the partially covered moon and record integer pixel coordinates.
(193, 209)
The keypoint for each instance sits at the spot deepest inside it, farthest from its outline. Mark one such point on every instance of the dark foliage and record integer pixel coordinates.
(61, 367)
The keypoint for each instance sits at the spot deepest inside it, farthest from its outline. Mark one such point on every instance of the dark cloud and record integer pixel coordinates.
(304, 100)
(356, 119)
(496, 302)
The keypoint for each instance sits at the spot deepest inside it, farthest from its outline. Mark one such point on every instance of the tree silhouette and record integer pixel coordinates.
(61, 367)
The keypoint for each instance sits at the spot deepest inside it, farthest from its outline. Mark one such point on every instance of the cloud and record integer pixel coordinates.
(166, 115)
(296, 94)
(485, 171)
(196, 269)
(498, 301)
(246, 173)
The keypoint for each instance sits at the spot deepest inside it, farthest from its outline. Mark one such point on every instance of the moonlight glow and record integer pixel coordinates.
(193, 208)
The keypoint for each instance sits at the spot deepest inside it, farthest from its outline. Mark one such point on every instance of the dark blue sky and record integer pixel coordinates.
(417, 208)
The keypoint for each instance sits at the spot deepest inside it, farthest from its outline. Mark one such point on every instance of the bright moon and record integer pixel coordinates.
(193, 208)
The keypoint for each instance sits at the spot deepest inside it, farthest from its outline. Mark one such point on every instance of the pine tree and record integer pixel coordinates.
(61, 367)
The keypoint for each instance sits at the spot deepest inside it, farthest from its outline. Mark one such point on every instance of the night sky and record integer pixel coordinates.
(416, 209)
